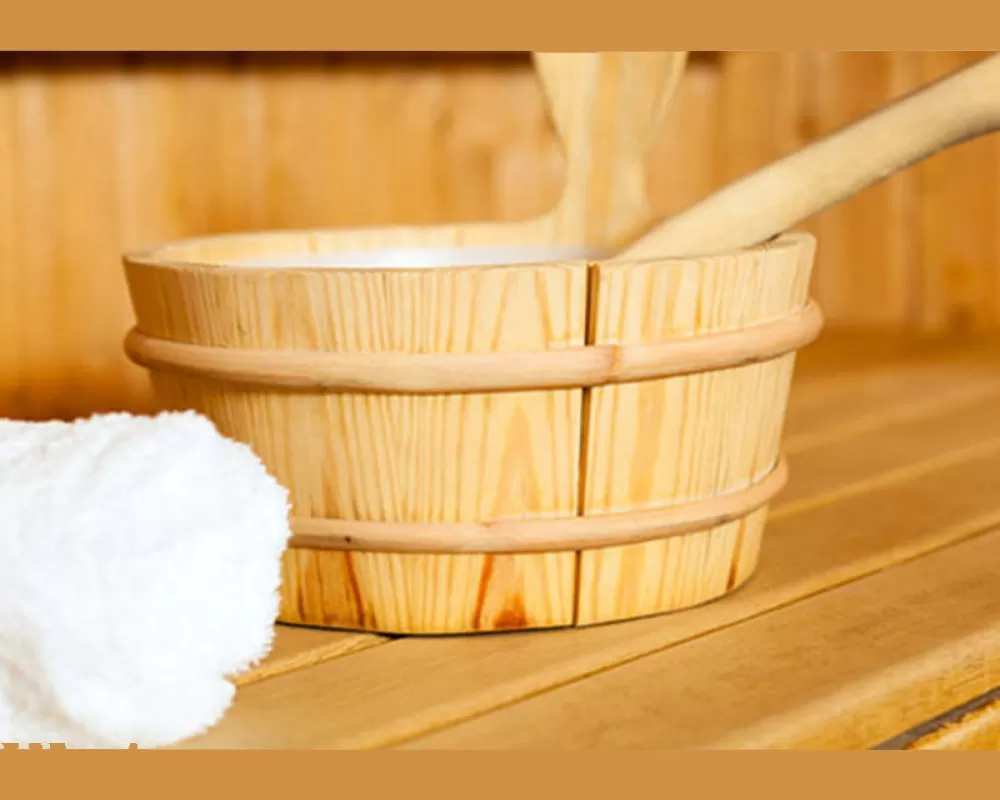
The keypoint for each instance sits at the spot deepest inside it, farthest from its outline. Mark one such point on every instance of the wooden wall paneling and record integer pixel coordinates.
(105, 152)
(685, 164)
(63, 220)
(376, 143)
(768, 111)
(868, 262)
(960, 214)
(10, 322)
(762, 95)
(151, 205)
(26, 273)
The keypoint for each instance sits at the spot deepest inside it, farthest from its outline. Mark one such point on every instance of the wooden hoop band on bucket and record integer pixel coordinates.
(458, 373)
(537, 535)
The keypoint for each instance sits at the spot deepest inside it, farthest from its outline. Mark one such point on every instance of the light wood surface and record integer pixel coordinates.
(901, 514)
(956, 277)
(599, 364)
(971, 726)
(426, 486)
(583, 534)
(440, 458)
(784, 194)
(607, 109)
(519, 454)
(363, 468)
(295, 648)
(370, 462)
(871, 236)
(650, 445)
(109, 152)
(907, 641)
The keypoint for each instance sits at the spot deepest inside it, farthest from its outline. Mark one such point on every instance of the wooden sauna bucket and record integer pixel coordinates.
(550, 441)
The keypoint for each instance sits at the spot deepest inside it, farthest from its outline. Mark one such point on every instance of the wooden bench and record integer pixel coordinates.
(873, 621)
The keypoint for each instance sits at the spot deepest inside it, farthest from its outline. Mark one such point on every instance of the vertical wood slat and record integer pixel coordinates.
(685, 164)
(959, 237)
(103, 154)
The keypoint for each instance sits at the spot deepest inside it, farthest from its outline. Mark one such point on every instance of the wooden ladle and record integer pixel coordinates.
(959, 107)
(606, 108)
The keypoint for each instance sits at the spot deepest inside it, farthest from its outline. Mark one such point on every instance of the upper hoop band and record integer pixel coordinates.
(454, 373)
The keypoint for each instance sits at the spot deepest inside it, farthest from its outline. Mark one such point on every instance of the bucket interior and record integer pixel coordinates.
(346, 249)
(421, 257)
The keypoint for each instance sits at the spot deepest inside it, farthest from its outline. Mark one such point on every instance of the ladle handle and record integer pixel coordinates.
(607, 109)
(765, 203)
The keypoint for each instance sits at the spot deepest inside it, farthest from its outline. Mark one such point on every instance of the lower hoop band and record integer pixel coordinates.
(537, 535)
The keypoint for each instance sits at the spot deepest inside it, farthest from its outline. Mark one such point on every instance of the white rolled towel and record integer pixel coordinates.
(139, 567)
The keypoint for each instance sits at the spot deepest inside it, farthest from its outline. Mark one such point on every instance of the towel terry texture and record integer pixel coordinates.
(139, 566)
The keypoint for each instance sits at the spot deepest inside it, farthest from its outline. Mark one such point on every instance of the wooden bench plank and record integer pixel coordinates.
(914, 442)
(973, 725)
(410, 686)
(917, 394)
(822, 402)
(979, 730)
(846, 350)
(840, 670)
(848, 385)
(906, 383)
(296, 648)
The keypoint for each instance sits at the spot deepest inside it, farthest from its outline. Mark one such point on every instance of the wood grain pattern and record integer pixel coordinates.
(877, 396)
(111, 152)
(976, 728)
(538, 536)
(954, 423)
(472, 373)
(297, 648)
(607, 108)
(366, 700)
(909, 642)
(686, 160)
(485, 457)
(836, 167)
(195, 144)
(960, 246)
(56, 126)
(762, 94)
(396, 458)
(828, 406)
(868, 267)
(657, 443)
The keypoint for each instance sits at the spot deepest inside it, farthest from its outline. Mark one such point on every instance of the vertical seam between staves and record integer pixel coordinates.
(593, 275)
